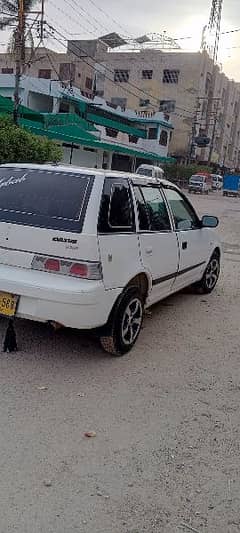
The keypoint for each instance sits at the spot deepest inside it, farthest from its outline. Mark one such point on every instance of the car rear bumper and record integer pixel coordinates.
(75, 303)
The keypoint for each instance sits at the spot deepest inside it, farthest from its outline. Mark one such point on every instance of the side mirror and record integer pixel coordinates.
(209, 221)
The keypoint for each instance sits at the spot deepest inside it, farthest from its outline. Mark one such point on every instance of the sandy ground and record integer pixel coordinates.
(166, 456)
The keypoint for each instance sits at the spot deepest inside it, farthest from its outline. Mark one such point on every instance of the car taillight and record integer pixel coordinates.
(79, 270)
(84, 269)
(53, 265)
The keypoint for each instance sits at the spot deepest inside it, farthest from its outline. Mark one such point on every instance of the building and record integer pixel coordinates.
(50, 65)
(148, 78)
(202, 101)
(91, 132)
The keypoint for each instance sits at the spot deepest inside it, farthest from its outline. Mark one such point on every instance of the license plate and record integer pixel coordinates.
(8, 304)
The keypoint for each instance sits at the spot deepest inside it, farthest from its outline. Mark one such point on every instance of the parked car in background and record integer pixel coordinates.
(200, 183)
(231, 185)
(151, 171)
(90, 249)
(217, 182)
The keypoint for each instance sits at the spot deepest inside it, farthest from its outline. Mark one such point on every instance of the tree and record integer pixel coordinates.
(17, 145)
(9, 16)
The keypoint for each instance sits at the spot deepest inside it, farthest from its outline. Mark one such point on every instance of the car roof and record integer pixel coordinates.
(135, 178)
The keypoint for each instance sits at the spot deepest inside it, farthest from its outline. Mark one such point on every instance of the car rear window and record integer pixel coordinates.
(44, 198)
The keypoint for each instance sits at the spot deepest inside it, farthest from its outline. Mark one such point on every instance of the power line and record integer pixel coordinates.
(86, 13)
(78, 48)
(68, 16)
(106, 14)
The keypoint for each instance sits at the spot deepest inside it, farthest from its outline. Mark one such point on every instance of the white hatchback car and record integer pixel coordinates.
(89, 249)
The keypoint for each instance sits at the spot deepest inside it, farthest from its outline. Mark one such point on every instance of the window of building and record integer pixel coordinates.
(121, 75)
(111, 132)
(163, 138)
(121, 102)
(7, 70)
(99, 93)
(143, 102)
(133, 139)
(64, 107)
(152, 133)
(183, 213)
(67, 71)
(147, 74)
(79, 74)
(167, 106)
(170, 76)
(152, 210)
(88, 83)
(45, 73)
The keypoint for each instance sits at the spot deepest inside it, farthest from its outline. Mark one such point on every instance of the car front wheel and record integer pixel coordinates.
(210, 276)
(125, 323)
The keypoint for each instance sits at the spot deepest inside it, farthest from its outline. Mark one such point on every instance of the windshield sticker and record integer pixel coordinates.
(12, 181)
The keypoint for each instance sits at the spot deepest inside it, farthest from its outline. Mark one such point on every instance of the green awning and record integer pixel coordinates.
(71, 133)
(120, 126)
(71, 128)
(76, 135)
(7, 106)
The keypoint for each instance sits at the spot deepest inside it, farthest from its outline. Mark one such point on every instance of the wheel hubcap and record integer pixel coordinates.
(132, 320)
(212, 273)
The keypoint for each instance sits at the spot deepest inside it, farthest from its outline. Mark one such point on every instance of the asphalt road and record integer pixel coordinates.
(166, 455)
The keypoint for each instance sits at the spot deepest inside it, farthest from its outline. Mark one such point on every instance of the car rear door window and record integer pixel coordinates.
(153, 213)
(116, 211)
(44, 198)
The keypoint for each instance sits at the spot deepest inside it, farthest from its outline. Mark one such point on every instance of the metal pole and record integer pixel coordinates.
(213, 134)
(19, 44)
(42, 22)
(71, 154)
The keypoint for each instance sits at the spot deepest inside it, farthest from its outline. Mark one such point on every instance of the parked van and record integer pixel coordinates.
(201, 183)
(150, 171)
(217, 182)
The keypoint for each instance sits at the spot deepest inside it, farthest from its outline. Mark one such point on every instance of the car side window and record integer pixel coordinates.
(116, 211)
(152, 210)
(184, 215)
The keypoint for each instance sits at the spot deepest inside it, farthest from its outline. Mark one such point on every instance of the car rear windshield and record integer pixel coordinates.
(44, 198)
(145, 172)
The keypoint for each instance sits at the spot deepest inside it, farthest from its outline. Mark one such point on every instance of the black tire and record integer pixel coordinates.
(123, 328)
(210, 276)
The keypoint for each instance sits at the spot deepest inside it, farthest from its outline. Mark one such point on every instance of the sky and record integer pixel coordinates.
(179, 18)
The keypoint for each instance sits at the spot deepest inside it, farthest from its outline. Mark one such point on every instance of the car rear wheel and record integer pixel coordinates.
(125, 323)
(210, 276)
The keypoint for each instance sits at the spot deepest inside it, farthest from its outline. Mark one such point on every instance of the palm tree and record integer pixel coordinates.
(9, 17)
(20, 37)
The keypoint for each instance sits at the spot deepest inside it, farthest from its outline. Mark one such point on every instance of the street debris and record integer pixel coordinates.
(47, 483)
(90, 434)
(190, 528)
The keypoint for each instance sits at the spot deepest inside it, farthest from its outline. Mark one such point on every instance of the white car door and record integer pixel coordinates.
(117, 237)
(194, 240)
(158, 242)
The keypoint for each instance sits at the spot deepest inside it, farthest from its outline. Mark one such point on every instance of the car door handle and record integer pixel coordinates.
(184, 245)
(149, 251)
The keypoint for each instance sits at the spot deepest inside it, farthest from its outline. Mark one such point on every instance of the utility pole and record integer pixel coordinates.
(194, 132)
(213, 131)
(42, 22)
(19, 44)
